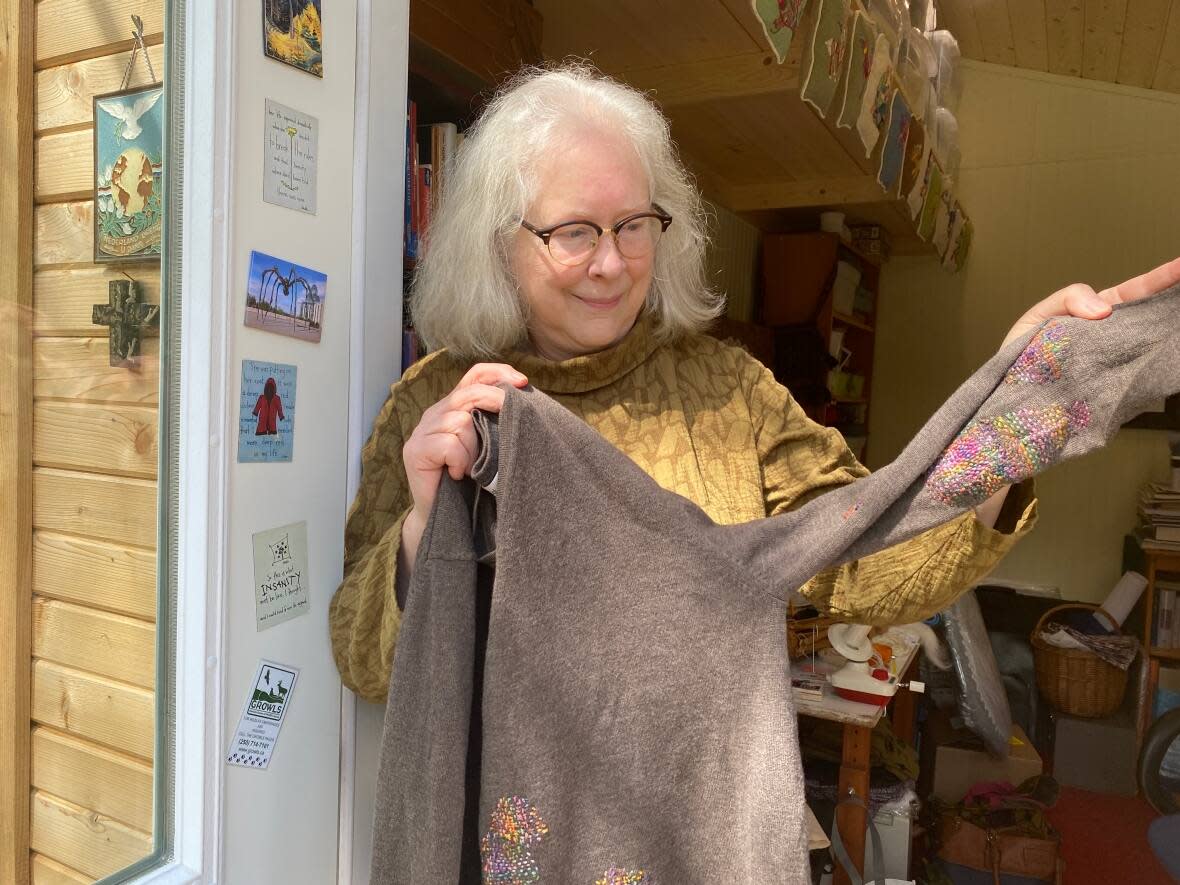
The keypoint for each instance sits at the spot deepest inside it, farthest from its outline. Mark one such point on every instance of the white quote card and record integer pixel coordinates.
(290, 155)
(280, 574)
(266, 706)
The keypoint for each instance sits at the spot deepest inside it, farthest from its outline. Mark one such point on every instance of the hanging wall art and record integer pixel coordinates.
(858, 63)
(292, 34)
(874, 103)
(824, 64)
(129, 174)
(780, 19)
(893, 151)
(285, 298)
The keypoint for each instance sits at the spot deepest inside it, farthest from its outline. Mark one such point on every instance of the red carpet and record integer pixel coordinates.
(1104, 839)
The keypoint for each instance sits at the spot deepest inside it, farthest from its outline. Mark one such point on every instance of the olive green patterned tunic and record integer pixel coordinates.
(705, 420)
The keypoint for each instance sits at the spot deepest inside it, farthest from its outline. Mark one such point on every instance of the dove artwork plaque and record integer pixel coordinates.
(129, 174)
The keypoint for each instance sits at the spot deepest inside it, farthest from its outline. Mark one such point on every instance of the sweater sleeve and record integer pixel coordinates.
(907, 582)
(363, 617)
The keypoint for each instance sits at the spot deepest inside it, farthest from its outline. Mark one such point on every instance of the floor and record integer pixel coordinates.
(1104, 839)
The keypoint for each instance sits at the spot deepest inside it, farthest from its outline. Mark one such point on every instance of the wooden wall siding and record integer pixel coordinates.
(101, 642)
(103, 710)
(47, 871)
(80, 368)
(104, 576)
(112, 783)
(69, 31)
(96, 845)
(65, 166)
(63, 233)
(16, 301)
(102, 439)
(64, 297)
(64, 93)
(107, 508)
(94, 450)
(1133, 42)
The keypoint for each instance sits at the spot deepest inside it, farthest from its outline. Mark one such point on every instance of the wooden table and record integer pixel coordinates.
(858, 721)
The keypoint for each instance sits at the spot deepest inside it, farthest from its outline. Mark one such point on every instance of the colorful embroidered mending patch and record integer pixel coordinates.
(515, 825)
(996, 452)
(1041, 361)
(616, 876)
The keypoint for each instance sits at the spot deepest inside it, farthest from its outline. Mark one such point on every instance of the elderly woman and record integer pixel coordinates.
(568, 253)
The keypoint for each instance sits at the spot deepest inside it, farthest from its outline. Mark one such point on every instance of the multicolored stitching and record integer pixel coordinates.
(991, 453)
(1041, 361)
(514, 826)
(616, 876)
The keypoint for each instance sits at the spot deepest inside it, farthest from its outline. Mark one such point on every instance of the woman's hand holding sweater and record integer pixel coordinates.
(445, 440)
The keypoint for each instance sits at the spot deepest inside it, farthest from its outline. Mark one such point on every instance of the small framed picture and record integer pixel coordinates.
(129, 174)
(291, 33)
(285, 298)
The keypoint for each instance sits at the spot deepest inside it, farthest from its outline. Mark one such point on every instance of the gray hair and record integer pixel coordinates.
(464, 296)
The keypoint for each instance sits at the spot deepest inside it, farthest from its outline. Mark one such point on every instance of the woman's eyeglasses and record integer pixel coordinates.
(573, 242)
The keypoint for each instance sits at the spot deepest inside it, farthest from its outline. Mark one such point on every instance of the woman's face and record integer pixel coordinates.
(587, 308)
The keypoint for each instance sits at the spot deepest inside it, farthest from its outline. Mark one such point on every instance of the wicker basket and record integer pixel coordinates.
(1076, 682)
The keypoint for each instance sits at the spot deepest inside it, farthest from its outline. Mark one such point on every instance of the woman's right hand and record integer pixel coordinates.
(445, 436)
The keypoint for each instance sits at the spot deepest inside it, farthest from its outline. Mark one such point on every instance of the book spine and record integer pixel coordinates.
(412, 182)
(1167, 616)
(424, 206)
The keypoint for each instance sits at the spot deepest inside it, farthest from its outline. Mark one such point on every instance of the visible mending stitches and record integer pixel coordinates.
(1041, 361)
(994, 452)
(515, 825)
(616, 876)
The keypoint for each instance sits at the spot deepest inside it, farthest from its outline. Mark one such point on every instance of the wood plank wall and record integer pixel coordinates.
(16, 405)
(94, 432)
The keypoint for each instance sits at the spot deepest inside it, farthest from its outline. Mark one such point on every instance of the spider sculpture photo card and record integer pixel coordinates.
(285, 297)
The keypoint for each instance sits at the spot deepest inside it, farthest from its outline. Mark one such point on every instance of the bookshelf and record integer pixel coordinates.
(1155, 562)
(458, 51)
(817, 281)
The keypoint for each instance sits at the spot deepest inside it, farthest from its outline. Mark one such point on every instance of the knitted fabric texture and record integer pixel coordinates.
(636, 711)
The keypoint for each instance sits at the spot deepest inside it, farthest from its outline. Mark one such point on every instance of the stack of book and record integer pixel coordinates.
(1159, 517)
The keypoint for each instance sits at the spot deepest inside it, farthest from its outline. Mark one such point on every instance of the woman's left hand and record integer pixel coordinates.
(1080, 300)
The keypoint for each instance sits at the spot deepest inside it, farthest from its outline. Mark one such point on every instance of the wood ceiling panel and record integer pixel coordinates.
(1103, 41)
(1028, 34)
(1167, 73)
(1065, 21)
(746, 140)
(617, 34)
(958, 17)
(744, 16)
(995, 31)
(1143, 38)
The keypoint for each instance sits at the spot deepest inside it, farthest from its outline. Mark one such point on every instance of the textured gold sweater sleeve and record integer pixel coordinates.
(363, 617)
(907, 582)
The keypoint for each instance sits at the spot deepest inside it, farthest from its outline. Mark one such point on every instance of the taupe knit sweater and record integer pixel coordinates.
(633, 718)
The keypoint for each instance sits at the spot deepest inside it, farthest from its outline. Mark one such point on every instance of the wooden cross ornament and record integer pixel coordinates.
(127, 314)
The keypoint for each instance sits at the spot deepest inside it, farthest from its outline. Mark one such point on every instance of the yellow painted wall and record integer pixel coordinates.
(1066, 180)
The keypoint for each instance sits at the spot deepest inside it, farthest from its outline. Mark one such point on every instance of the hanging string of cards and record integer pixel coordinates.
(892, 77)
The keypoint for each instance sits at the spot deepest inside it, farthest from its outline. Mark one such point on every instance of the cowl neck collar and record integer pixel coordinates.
(592, 371)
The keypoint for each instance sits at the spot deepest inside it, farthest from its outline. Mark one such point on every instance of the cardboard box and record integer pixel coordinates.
(960, 762)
